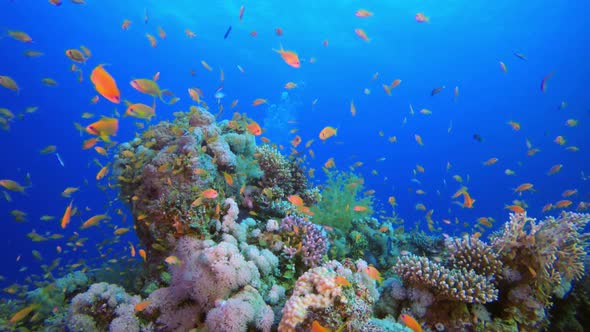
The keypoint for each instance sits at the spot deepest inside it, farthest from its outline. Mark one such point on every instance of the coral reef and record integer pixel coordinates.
(238, 241)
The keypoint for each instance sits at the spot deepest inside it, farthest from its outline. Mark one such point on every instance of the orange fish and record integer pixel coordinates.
(209, 193)
(328, 132)
(259, 101)
(490, 161)
(142, 254)
(296, 141)
(363, 13)
(228, 178)
(102, 173)
(467, 200)
(515, 208)
(161, 33)
(563, 204)
(330, 163)
(126, 24)
(515, 125)
(142, 305)
(104, 128)
(395, 83)
(65, 220)
(279, 31)
(153, 40)
(296, 200)
(20, 36)
(341, 281)
(392, 201)
(410, 322)
(105, 85)
(418, 139)
(317, 327)
(189, 33)
(291, 58)
(421, 18)
(547, 207)
(360, 208)
(362, 34)
(20, 315)
(132, 249)
(290, 85)
(352, 108)
(569, 192)
(373, 273)
(554, 169)
(89, 143)
(254, 128)
(523, 187)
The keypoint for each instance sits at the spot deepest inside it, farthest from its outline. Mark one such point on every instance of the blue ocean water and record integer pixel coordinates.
(461, 46)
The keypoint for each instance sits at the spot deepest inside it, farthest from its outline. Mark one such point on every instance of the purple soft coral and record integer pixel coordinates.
(314, 243)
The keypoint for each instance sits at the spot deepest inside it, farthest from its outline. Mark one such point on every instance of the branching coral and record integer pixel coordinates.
(304, 238)
(459, 285)
(470, 253)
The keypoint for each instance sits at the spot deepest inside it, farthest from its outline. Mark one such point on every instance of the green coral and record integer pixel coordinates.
(342, 193)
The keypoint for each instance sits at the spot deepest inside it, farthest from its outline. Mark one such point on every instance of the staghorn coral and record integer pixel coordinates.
(458, 285)
(304, 238)
(471, 253)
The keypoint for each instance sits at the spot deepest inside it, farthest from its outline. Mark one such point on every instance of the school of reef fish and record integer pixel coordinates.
(233, 235)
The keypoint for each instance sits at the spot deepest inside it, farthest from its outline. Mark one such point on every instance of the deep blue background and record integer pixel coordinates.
(460, 46)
